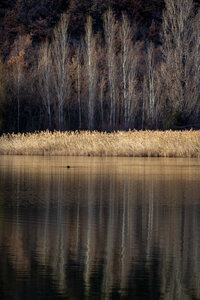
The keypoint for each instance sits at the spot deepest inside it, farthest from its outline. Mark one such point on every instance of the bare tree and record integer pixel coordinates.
(45, 79)
(102, 93)
(17, 67)
(92, 74)
(79, 85)
(151, 88)
(193, 72)
(2, 90)
(133, 95)
(144, 100)
(129, 71)
(151, 82)
(76, 70)
(126, 35)
(179, 45)
(109, 30)
(60, 58)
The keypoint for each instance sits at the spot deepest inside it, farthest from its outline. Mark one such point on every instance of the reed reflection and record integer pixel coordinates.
(101, 233)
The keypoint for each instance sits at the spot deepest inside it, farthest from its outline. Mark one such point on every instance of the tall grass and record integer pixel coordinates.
(131, 143)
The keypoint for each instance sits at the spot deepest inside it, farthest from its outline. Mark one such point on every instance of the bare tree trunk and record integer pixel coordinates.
(92, 74)
(109, 29)
(193, 72)
(132, 96)
(151, 86)
(18, 106)
(89, 52)
(179, 40)
(129, 73)
(45, 79)
(18, 81)
(143, 103)
(79, 86)
(126, 34)
(17, 66)
(101, 102)
(60, 53)
(151, 80)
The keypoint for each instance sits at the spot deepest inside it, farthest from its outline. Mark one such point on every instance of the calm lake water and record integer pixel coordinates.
(107, 228)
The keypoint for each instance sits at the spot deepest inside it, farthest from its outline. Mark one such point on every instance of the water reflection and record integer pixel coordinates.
(105, 229)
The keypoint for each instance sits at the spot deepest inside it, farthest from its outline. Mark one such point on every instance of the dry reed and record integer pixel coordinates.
(131, 143)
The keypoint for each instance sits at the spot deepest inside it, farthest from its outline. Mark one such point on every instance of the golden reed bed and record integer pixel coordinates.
(132, 143)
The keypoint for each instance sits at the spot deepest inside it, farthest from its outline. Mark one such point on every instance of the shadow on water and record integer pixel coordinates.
(101, 230)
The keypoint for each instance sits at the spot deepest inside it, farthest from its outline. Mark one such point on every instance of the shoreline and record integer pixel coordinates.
(183, 144)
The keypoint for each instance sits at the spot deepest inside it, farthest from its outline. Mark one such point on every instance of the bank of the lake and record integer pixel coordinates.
(85, 143)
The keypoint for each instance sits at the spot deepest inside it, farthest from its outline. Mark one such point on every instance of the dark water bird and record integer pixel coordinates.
(68, 167)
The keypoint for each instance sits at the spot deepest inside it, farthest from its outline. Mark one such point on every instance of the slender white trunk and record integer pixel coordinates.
(109, 28)
(151, 84)
(89, 37)
(79, 88)
(124, 70)
(91, 58)
(45, 79)
(18, 106)
(60, 53)
(49, 110)
(101, 101)
(129, 64)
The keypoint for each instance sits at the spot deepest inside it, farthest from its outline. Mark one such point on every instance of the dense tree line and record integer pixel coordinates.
(94, 67)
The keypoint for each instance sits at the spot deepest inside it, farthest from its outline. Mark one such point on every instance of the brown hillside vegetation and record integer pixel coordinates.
(85, 143)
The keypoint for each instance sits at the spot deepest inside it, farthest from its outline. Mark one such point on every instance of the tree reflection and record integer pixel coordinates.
(100, 234)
